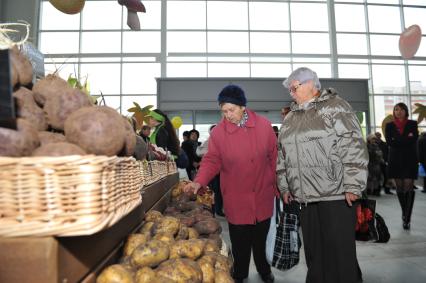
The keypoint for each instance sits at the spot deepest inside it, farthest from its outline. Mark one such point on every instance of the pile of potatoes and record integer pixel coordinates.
(55, 119)
(181, 248)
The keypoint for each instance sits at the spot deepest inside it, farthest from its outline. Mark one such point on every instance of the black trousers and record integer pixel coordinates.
(244, 238)
(328, 230)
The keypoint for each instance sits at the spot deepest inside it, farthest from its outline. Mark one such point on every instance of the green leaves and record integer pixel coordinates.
(140, 114)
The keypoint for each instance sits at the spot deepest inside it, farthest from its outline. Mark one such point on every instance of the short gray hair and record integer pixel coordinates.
(302, 75)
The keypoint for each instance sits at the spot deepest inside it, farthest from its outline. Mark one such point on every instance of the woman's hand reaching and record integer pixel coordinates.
(192, 187)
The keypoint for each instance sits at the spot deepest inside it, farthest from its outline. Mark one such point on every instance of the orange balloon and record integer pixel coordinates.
(409, 41)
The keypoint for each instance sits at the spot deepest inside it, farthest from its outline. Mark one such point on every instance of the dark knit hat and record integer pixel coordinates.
(232, 94)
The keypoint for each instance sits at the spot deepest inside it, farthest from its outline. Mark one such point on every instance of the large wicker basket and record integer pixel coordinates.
(71, 195)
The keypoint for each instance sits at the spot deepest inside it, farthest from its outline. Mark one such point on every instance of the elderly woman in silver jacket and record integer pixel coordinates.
(322, 164)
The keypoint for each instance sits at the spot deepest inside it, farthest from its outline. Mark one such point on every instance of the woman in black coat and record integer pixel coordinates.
(401, 136)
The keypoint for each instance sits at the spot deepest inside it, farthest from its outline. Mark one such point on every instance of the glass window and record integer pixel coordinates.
(417, 75)
(383, 106)
(300, 12)
(227, 15)
(139, 78)
(186, 14)
(113, 101)
(352, 44)
(302, 43)
(100, 42)
(59, 42)
(384, 19)
(422, 49)
(389, 79)
(141, 41)
(269, 42)
(268, 16)
(60, 68)
(142, 100)
(383, 1)
(322, 70)
(186, 70)
(149, 20)
(228, 70)
(103, 78)
(350, 18)
(231, 42)
(355, 71)
(415, 16)
(110, 12)
(178, 41)
(384, 45)
(415, 2)
(51, 18)
(270, 70)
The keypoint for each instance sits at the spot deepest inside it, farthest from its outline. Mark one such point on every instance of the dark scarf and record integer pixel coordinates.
(400, 125)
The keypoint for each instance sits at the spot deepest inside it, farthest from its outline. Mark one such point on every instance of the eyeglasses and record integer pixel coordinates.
(294, 88)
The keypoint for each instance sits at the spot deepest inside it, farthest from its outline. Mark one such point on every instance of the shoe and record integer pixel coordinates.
(388, 191)
(406, 226)
(220, 213)
(268, 278)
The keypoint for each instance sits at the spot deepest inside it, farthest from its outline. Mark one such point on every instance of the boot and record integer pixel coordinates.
(409, 209)
(402, 197)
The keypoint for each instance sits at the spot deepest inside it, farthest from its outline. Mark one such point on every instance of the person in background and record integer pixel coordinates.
(401, 136)
(145, 132)
(322, 164)
(215, 183)
(190, 146)
(276, 131)
(385, 152)
(243, 149)
(422, 156)
(185, 136)
(284, 112)
(375, 162)
(163, 134)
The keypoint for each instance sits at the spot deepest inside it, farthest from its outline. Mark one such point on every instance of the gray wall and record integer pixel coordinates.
(26, 10)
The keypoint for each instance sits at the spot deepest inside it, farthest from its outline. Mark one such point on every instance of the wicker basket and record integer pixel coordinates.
(65, 196)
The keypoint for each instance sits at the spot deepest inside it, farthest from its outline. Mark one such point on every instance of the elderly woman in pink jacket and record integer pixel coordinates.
(243, 149)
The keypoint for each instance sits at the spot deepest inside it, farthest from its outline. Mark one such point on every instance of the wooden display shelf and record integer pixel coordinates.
(79, 258)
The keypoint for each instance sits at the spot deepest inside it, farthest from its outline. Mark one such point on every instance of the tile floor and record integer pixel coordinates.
(402, 259)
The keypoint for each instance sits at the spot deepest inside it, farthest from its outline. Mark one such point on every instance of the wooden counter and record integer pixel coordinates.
(79, 258)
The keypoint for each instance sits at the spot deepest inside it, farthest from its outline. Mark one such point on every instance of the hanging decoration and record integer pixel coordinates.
(176, 122)
(68, 6)
(133, 7)
(409, 41)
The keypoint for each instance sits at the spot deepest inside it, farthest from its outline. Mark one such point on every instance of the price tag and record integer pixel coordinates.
(7, 103)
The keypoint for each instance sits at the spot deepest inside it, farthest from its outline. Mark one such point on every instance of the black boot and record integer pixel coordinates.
(388, 191)
(402, 197)
(409, 208)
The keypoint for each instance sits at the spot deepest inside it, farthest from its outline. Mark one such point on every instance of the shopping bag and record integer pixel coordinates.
(383, 234)
(283, 240)
(365, 229)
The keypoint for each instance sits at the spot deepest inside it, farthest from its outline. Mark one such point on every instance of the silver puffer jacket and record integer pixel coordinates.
(322, 153)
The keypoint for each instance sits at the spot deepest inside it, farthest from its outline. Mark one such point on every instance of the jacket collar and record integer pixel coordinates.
(326, 94)
(231, 127)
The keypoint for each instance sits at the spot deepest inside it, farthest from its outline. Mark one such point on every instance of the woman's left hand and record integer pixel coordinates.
(350, 197)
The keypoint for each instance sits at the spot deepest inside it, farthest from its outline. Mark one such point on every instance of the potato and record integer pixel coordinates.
(210, 257)
(208, 270)
(192, 233)
(183, 232)
(165, 237)
(145, 275)
(28, 109)
(23, 66)
(166, 224)
(221, 276)
(115, 273)
(211, 246)
(186, 220)
(47, 87)
(201, 217)
(191, 249)
(14, 75)
(217, 239)
(133, 241)
(141, 148)
(171, 211)
(153, 215)
(20, 142)
(97, 130)
(223, 263)
(147, 228)
(150, 254)
(207, 226)
(181, 270)
(188, 205)
(50, 137)
(178, 188)
(58, 149)
(60, 106)
(129, 139)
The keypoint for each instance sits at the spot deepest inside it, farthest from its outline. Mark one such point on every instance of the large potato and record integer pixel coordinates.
(165, 237)
(58, 149)
(23, 66)
(191, 249)
(153, 215)
(115, 273)
(208, 270)
(211, 246)
(167, 224)
(47, 87)
(223, 263)
(46, 137)
(60, 106)
(129, 139)
(147, 229)
(181, 270)
(192, 233)
(222, 277)
(208, 226)
(145, 275)
(150, 254)
(183, 232)
(98, 130)
(28, 108)
(20, 142)
(133, 241)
